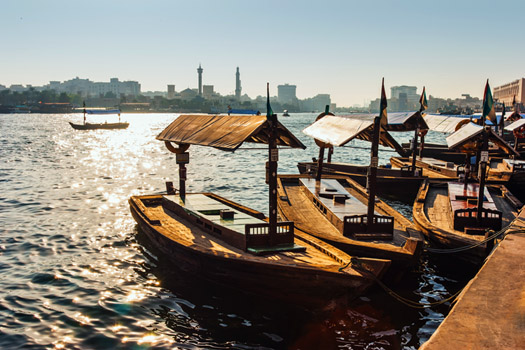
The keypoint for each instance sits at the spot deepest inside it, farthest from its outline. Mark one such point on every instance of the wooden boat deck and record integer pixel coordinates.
(463, 198)
(438, 210)
(183, 232)
(296, 206)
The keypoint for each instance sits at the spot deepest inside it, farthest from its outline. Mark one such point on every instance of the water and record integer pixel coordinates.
(76, 274)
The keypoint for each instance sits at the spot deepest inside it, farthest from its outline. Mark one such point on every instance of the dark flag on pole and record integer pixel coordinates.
(269, 111)
(488, 105)
(382, 113)
(423, 101)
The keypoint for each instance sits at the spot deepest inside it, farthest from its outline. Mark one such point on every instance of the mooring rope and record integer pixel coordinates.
(356, 264)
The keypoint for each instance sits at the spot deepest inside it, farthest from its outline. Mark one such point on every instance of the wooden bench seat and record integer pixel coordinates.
(464, 204)
(344, 211)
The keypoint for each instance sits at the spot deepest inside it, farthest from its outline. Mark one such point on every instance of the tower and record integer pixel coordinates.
(199, 70)
(238, 85)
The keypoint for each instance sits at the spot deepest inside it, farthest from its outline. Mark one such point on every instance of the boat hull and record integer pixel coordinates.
(403, 250)
(94, 126)
(433, 216)
(300, 284)
(391, 183)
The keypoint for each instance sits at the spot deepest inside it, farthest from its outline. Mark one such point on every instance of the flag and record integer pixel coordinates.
(382, 113)
(514, 104)
(423, 100)
(269, 111)
(488, 105)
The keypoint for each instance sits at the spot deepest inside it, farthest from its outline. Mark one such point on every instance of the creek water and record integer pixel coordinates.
(76, 273)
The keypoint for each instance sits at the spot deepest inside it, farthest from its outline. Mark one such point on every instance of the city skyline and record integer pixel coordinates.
(337, 48)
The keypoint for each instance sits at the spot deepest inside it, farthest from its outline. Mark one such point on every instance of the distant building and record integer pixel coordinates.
(2, 87)
(506, 93)
(199, 71)
(238, 85)
(316, 103)
(286, 93)
(188, 94)
(171, 92)
(86, 88)
(207, 91)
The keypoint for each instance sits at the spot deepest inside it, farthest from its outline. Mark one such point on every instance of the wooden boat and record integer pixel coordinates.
(338, 210)
(460, 214)
(230, 244)
(92, 126)
(401, 184)
(106, 125)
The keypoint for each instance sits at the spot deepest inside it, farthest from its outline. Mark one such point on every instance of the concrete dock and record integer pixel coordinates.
(490, 312)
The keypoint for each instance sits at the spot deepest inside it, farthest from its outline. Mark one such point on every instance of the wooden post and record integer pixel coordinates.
(484, 155)
(372, 173)
(414, 151)
(182, 158)
(273, 157)
(320, 164)
(467, 170)
(330, 152)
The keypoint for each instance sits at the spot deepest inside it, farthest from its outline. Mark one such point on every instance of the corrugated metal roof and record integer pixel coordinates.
(224, 132)
(469, 139)
(338, 130)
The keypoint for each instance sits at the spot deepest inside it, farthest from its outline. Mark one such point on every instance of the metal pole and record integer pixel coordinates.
(372, 173)
(414, 151)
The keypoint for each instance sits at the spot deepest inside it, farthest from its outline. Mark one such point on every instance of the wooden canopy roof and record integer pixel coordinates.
(469, 138)
(406, 121)
(339, 130)
(225, 132)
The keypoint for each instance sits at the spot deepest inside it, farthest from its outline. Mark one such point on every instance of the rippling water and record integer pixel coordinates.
(76, 274)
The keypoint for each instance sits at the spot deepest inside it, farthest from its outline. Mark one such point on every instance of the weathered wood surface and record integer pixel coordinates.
(305, 277)
(433, 215)
(295, 205)
(490, 312)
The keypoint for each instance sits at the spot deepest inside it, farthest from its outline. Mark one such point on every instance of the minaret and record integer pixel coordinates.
(199, 70)
(238, 84)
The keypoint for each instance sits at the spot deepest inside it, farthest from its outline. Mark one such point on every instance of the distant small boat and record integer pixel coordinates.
(92, 126)
(285, 113)
(106, 125)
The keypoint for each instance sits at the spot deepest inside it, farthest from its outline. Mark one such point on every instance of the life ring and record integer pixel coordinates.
(518, 133)
(422, 133)
(461, 124)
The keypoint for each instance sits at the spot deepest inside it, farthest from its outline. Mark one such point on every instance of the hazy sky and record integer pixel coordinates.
(342, 48)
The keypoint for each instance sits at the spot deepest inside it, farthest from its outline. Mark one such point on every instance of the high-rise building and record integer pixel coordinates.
(238, 85)
(286, 93)
(507, 92)
(171, 91)
(199, 70)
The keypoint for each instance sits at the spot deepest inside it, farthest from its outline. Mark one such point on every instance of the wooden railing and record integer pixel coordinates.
(466, 218)
(258, 235)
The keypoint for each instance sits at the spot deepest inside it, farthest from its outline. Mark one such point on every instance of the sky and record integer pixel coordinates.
(342, 48)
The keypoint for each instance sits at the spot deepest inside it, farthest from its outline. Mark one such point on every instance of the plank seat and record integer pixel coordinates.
(347, 213)
(463, 202)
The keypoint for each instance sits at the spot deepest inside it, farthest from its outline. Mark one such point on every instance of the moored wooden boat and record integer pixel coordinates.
(400, 184)
(311, 276)
(462, 216)
(441, 206)
(337, 209)
(230, 244)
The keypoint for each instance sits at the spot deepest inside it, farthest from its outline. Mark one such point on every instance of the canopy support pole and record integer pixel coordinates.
(372, 173)
(414, 151)
(182, 158)
(273, 157)
(482, 171)
(320, 164)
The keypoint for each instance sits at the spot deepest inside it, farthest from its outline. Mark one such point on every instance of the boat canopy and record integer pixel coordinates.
(103, 111)
(515, 125)
(225, 132)
(444, 123)
(338, 130)
(469, 138)
(406, 121)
